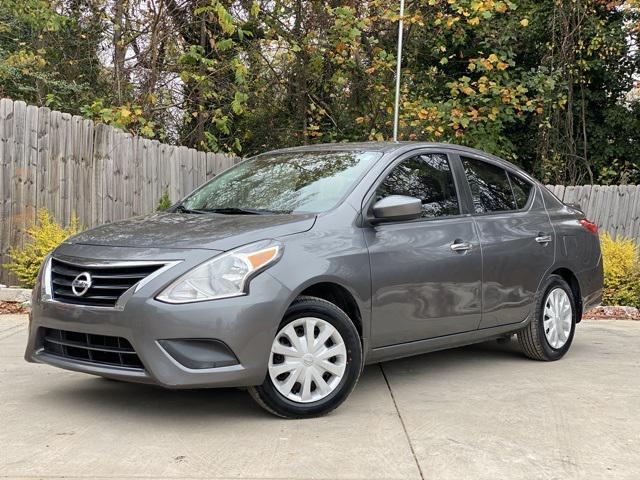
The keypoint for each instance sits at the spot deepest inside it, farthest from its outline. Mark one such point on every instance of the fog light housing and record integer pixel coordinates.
(200, 353)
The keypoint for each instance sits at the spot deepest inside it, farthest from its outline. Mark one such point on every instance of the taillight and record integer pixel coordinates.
(592, 227)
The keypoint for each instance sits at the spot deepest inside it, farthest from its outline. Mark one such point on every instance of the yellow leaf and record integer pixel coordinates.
(147, 131)
(524, 22)
(486, 64)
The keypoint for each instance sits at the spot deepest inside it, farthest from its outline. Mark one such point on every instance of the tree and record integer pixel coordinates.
(548, 84)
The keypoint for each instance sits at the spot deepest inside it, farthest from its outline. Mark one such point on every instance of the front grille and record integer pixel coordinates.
(87, 347)
(108, 283)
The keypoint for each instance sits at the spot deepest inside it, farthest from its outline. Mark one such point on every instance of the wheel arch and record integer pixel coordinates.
(340, 296)
(571, 278)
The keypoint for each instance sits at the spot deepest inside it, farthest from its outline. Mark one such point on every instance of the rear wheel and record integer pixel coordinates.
(314, 363)
(550, 333)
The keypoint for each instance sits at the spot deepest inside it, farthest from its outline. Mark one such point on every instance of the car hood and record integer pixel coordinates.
(206, 231)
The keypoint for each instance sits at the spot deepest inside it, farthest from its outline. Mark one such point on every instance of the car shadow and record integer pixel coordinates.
(460, 359)
(149, 402)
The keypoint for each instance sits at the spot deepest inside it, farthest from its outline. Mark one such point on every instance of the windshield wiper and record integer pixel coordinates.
(183, 209)
(241, 211)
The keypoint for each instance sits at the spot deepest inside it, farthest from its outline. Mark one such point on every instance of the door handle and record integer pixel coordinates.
(542, 238)
(461, 246)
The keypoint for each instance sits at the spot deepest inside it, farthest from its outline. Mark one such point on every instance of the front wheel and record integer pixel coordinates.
(550, 333)
(314, 363)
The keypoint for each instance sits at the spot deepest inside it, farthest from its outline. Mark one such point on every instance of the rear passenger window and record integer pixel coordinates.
(521, 190)
(427, 177)
(490, 186)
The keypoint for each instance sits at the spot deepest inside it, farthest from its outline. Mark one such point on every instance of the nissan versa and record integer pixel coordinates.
(291, 270)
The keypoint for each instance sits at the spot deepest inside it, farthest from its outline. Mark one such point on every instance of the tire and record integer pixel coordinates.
(305, 398)
(533, 338)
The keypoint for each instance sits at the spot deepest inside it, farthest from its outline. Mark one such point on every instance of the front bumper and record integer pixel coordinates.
(246, 325)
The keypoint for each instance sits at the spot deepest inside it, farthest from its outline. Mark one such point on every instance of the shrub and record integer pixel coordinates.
(45, 235)
(164, 202)
(621, 271)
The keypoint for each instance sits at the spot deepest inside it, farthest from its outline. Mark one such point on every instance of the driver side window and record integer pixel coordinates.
(427, 177)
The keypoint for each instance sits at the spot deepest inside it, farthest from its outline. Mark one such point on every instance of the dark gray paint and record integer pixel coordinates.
(211, 231)
(420, 287)
(414, 293)
(509, 249)
(396, 208)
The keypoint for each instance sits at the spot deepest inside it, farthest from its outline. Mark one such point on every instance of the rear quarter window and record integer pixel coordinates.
(521, 190)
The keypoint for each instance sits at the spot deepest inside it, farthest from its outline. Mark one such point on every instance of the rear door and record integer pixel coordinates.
(516, 237)
(421, 286)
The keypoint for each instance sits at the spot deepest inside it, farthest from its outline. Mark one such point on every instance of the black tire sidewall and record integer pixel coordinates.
(553, 282)
(288, 408)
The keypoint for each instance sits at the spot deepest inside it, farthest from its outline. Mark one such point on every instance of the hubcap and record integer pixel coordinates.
(308, 360)
(557, 318)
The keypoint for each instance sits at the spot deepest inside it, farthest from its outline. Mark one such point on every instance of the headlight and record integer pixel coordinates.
(44, 278)
(226, 275)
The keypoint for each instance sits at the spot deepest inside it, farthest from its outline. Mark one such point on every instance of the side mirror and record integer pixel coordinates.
(397, 208)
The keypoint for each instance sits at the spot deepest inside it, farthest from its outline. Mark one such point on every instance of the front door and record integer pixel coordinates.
(426, 273)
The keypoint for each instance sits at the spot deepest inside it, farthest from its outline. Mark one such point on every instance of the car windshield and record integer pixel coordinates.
(303, 182)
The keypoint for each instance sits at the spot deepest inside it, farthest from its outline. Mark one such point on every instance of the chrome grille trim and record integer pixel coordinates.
(115, 281)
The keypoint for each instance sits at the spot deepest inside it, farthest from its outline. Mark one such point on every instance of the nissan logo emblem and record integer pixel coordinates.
(81, 284)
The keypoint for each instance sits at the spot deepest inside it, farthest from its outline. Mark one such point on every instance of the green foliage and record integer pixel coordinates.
(215, 77)
(621, 271)
(164, 202)
(548, 84)
(127, 117)
(45, 236)
(49, 53)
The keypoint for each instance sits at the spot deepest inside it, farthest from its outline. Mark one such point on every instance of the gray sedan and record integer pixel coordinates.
(290, 271)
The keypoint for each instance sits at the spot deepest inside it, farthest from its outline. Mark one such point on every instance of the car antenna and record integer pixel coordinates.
(398, 62)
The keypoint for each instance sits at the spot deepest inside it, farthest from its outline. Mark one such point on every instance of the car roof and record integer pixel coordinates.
(384, 147)
(344, 146)
(390, 146)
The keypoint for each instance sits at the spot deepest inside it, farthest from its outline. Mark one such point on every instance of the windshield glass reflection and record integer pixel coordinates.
(303, 182)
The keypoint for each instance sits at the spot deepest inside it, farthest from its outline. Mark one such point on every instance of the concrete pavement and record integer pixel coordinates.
(476, 412)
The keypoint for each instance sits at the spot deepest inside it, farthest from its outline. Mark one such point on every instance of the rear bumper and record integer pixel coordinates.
(591, 283)
(592, 300)
(246, 325)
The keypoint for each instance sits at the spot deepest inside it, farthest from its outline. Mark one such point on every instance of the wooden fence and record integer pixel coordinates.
(615, 208)
(68, 165)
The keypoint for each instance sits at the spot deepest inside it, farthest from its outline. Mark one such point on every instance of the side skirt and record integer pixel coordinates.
(401, 350)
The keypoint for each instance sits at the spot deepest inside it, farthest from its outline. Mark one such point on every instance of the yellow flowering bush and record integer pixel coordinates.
(44, 236)
(621, 271)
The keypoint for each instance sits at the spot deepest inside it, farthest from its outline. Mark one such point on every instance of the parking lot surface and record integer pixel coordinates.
(480, 412)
